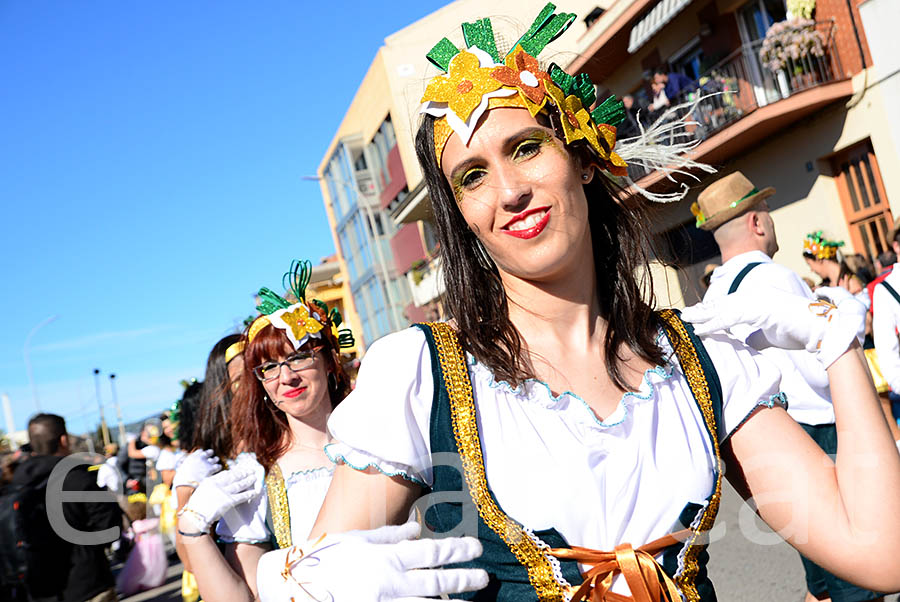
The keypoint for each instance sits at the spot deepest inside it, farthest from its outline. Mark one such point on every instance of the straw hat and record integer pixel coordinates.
(726, 199)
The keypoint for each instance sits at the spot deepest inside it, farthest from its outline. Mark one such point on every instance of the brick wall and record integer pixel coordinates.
(845, 39)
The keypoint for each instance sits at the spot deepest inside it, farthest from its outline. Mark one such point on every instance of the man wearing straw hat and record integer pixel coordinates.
(737, 214)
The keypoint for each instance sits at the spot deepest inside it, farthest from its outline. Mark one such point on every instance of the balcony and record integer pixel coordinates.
(755, 92)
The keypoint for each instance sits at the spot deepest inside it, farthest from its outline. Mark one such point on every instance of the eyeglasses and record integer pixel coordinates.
(295, 363)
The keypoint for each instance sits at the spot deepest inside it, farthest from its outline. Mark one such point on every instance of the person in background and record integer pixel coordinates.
(630, 127)
(824, 259)
(292, 380)
(108, 474)
(885, 322)
(737, 214)
(58, 570)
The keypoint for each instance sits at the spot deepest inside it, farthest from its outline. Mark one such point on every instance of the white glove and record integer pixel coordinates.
(381, 565)
(786, 321)
(198, 465)
(218, 494)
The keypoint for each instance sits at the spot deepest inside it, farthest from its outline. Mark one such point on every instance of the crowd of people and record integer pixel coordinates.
(560, 437)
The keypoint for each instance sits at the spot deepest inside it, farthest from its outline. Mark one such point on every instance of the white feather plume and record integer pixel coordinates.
(664, 146)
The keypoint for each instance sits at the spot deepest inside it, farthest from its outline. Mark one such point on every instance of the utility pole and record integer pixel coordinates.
(10, 424)
(115, 398)
(103, 426)
(27, 355)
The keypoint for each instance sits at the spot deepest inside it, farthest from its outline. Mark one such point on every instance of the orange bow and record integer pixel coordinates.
(645, 577)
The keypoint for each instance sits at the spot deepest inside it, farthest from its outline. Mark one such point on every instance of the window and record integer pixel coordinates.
(757, 16)
(863, 198)
(688, 60)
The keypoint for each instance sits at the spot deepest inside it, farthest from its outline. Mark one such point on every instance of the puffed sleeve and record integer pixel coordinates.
(246, 523)
(749, 381)
(384, 423)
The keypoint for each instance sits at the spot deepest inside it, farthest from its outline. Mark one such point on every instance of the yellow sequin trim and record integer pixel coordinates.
(465, 429)
(278, 503)
(690, 364)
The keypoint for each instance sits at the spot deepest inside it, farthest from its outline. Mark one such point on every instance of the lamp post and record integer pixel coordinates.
(115, 398)
(104, 429)
(26, 348)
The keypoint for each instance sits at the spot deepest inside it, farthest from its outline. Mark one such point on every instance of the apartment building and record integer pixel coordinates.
(812, 123)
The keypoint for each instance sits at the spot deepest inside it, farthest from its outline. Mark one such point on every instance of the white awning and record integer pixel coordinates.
(655, 20)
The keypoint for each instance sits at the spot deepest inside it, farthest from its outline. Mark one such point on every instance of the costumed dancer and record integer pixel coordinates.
(292, 379)
(737, 214)
(885, 322)
(206, 430)
(578, 433)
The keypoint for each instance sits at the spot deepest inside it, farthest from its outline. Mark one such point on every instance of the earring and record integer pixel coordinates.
(585, 177)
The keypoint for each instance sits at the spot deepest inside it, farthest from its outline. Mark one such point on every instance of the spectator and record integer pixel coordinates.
(108, 474)
(673, 84)
(59, 570)
(629, 127)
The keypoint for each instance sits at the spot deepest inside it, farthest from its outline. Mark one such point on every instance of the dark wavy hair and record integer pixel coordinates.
(257, 424)
(477, 302)
(212, 430)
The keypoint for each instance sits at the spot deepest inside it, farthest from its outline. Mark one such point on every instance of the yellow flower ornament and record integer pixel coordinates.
(462, 95)
(297, 323)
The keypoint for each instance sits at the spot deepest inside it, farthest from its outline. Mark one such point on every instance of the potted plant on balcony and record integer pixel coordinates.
(793, 47)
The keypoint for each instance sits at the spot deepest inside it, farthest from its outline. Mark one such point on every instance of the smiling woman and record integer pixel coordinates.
(291, 380)
(573, 433)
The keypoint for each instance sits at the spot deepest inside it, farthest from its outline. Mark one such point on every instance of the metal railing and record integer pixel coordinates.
(743, 81)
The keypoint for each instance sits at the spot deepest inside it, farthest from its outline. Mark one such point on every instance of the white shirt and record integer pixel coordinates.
(109, 476)
(306, 491)
(167, 459)
(884, 327)
(151, 452)
(634, 471)
(804, 379)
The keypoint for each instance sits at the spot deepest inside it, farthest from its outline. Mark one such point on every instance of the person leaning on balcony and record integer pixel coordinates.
(737, 214)
(558, 408)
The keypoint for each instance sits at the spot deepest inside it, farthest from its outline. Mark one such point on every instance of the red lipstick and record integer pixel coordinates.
(529, 232)
(294, 392)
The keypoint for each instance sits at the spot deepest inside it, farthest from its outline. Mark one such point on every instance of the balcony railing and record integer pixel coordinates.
(743, 82)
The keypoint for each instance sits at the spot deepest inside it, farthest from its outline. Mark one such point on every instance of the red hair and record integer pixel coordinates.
(256, 424)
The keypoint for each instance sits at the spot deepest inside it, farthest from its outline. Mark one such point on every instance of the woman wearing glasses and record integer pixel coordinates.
(292, 379)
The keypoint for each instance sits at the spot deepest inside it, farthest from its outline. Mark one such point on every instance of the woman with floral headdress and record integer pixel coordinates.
(577, 436)
(291, 380)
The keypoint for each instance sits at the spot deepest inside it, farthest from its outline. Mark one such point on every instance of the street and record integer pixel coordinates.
(741, 571)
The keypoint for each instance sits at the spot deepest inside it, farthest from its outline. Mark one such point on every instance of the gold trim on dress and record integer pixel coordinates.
(278, 505)
(468, 443)
(693, 371)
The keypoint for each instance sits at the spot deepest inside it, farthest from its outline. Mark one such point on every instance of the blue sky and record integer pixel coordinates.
(150, 179)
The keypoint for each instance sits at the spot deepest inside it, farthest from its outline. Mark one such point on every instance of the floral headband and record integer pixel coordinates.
(300, 321)
(477, 79)
(816, 245)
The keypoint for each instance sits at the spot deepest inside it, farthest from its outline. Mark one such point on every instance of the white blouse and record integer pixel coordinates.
(306, 491)
(549, 461)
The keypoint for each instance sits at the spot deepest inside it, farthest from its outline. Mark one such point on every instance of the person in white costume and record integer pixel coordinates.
(568, 430)
(292, 379)
(885, 322)
(737, 214)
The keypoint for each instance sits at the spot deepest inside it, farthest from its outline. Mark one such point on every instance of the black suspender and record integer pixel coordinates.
(891, 290)
(746, 270)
